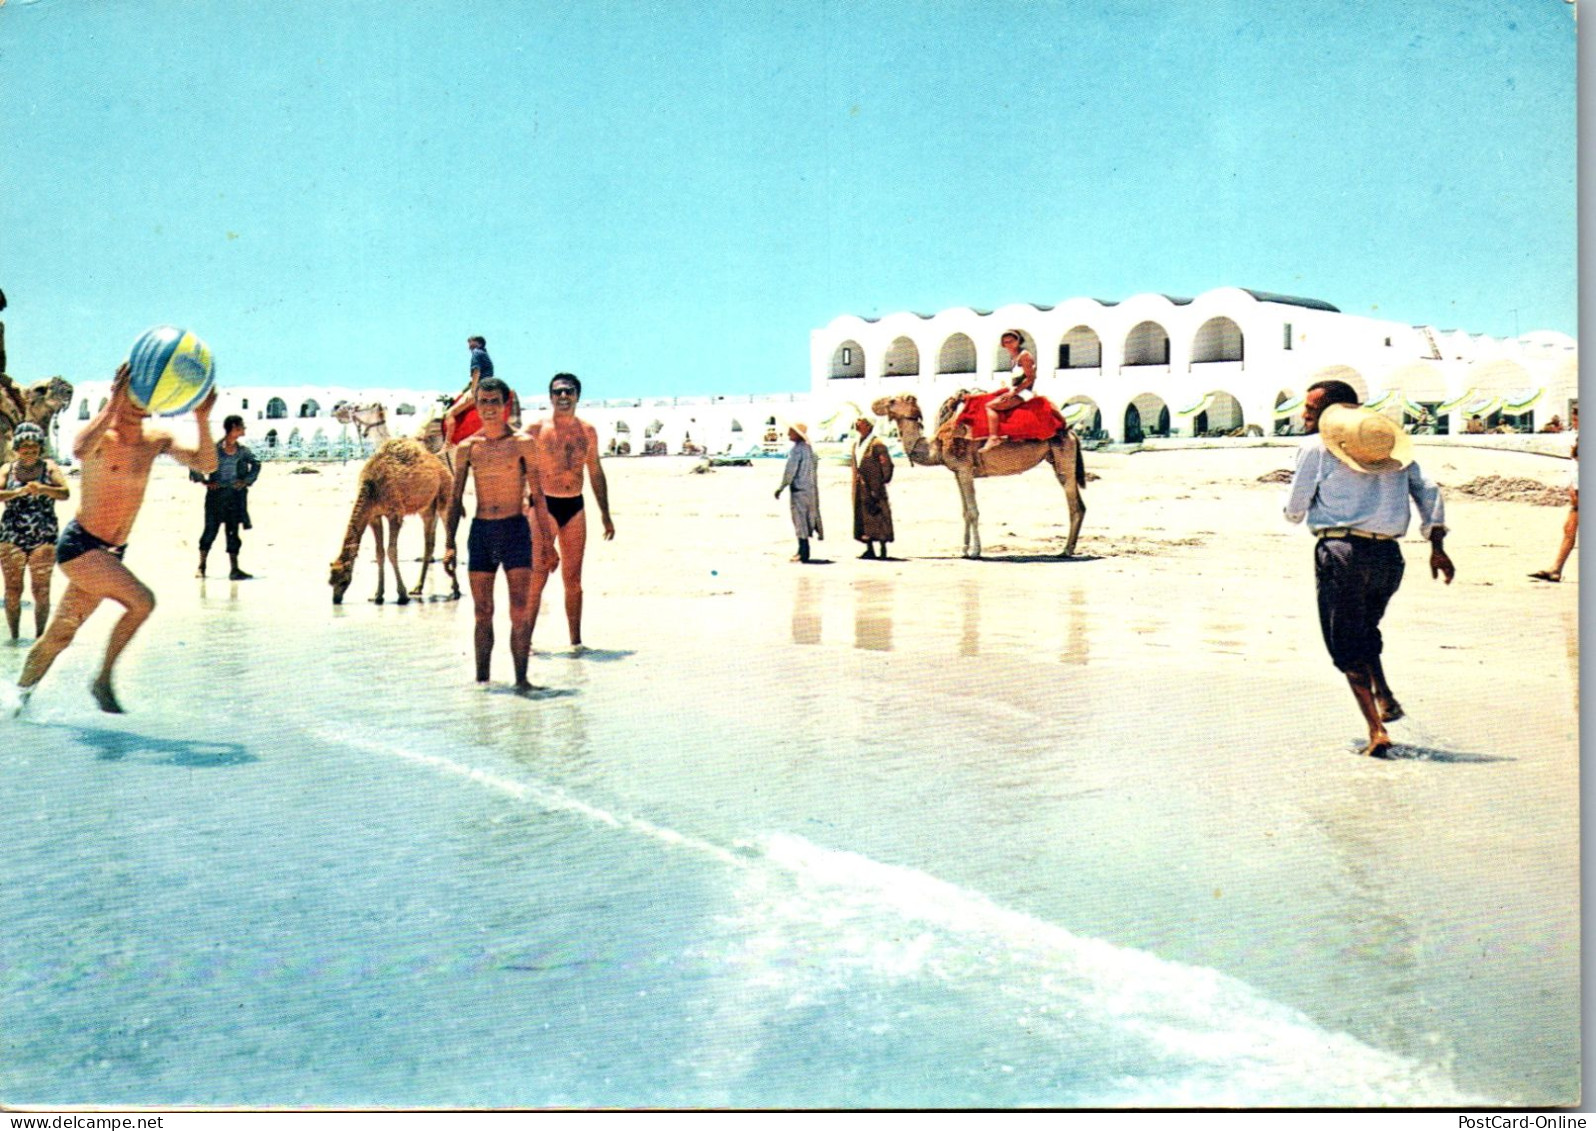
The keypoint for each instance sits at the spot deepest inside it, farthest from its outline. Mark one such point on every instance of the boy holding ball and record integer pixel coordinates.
(117, 449)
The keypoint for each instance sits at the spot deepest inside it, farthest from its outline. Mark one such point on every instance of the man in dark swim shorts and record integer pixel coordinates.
(562, 509)
(501, 536)
(76, 541)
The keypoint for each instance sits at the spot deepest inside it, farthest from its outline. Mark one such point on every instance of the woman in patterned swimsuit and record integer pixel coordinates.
(30, 486)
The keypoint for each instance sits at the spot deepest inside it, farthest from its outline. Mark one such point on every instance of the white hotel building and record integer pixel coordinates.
(1222, 361)
(1146, 367)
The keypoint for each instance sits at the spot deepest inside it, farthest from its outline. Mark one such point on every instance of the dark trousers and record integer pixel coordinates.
(1357, 578)
(224, 506)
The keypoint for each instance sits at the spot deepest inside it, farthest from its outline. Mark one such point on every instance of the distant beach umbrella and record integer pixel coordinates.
(1453, 404)
(1201, 406)
(1521, 401)
(1289, 406)
(1381, 400)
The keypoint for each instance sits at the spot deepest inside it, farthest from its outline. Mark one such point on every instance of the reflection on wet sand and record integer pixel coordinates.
(872, 615)
(1368, 824)
(970, 617)
(1077, 646)
(805, 611)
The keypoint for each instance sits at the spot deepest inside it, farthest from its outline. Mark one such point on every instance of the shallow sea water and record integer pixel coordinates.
(853, 857)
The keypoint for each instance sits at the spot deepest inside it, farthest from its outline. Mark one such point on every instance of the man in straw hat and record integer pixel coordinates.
(1354, 477)
(800, 481)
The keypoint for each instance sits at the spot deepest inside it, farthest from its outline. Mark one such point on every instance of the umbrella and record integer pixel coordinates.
(1482, 407)
(1206, 400)
(1521, 401)
(1450, 405)
(1381, 400)
(1072, 413)
(1287, 407)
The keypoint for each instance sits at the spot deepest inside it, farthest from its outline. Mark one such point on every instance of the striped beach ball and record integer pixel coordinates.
(171, 371)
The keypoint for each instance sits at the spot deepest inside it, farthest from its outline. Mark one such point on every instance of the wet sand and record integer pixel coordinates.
(1145, 745)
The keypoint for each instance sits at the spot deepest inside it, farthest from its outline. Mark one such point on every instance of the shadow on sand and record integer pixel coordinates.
(1010, 558)
(1408, 752)
(538, 693)
(120, 745)
(597, 655)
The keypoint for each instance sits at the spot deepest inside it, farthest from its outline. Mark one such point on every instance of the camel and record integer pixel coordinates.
(400, 478)
(370, 420)
(37, 404)
(959, 456)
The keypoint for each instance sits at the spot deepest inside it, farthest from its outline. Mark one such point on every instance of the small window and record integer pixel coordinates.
(1064, 356)
(246, 402)
(1388, 343)
(83, 409)
(1286, 343)
(847, 356)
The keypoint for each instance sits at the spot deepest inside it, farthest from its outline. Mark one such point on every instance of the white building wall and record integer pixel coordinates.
(1373, 355)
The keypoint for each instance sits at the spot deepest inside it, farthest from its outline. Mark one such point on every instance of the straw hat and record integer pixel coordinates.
(799, 427)
(1364, 440)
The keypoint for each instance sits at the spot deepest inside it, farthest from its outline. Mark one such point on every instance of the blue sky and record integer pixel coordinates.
(668, 197)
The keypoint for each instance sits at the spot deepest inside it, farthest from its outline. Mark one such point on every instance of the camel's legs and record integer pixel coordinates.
(972, 516)
(382, 569)
(1066, 466)
(394, 522)
(429, 526)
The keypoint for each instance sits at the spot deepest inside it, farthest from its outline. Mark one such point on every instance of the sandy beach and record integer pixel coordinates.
(1145, 747)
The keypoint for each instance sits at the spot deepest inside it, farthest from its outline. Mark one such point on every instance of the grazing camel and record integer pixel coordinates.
(959, 455)
(400, 478)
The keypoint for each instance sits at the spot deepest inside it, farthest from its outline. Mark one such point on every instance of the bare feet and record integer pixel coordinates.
(1390, 709)
(1547, 575)
(16, 701)
(103, 695)
(991, 442)
(1379, 744)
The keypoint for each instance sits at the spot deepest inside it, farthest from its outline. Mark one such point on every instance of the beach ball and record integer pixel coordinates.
(171, 371)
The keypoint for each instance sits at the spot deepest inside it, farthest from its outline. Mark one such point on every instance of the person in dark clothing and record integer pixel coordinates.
(227, 495)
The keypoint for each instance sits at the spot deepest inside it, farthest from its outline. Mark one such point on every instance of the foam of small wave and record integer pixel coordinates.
(814, 928)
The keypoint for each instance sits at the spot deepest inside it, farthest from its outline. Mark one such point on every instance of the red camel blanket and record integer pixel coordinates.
(1035, 419)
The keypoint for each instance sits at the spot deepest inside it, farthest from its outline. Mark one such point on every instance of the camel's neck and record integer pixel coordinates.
(916, 446)
(359, 519)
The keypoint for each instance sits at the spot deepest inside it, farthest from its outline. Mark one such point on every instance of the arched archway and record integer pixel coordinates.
(1081, 348)
(1146, 415)
(1218, 339)
(847, 361)
(309, 409)
(1084, 416)
(1147, 344)
(902, 359)
(277, 409)
(1288, 413)
(1341, 373)
(1224, 415)
(957, 355)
